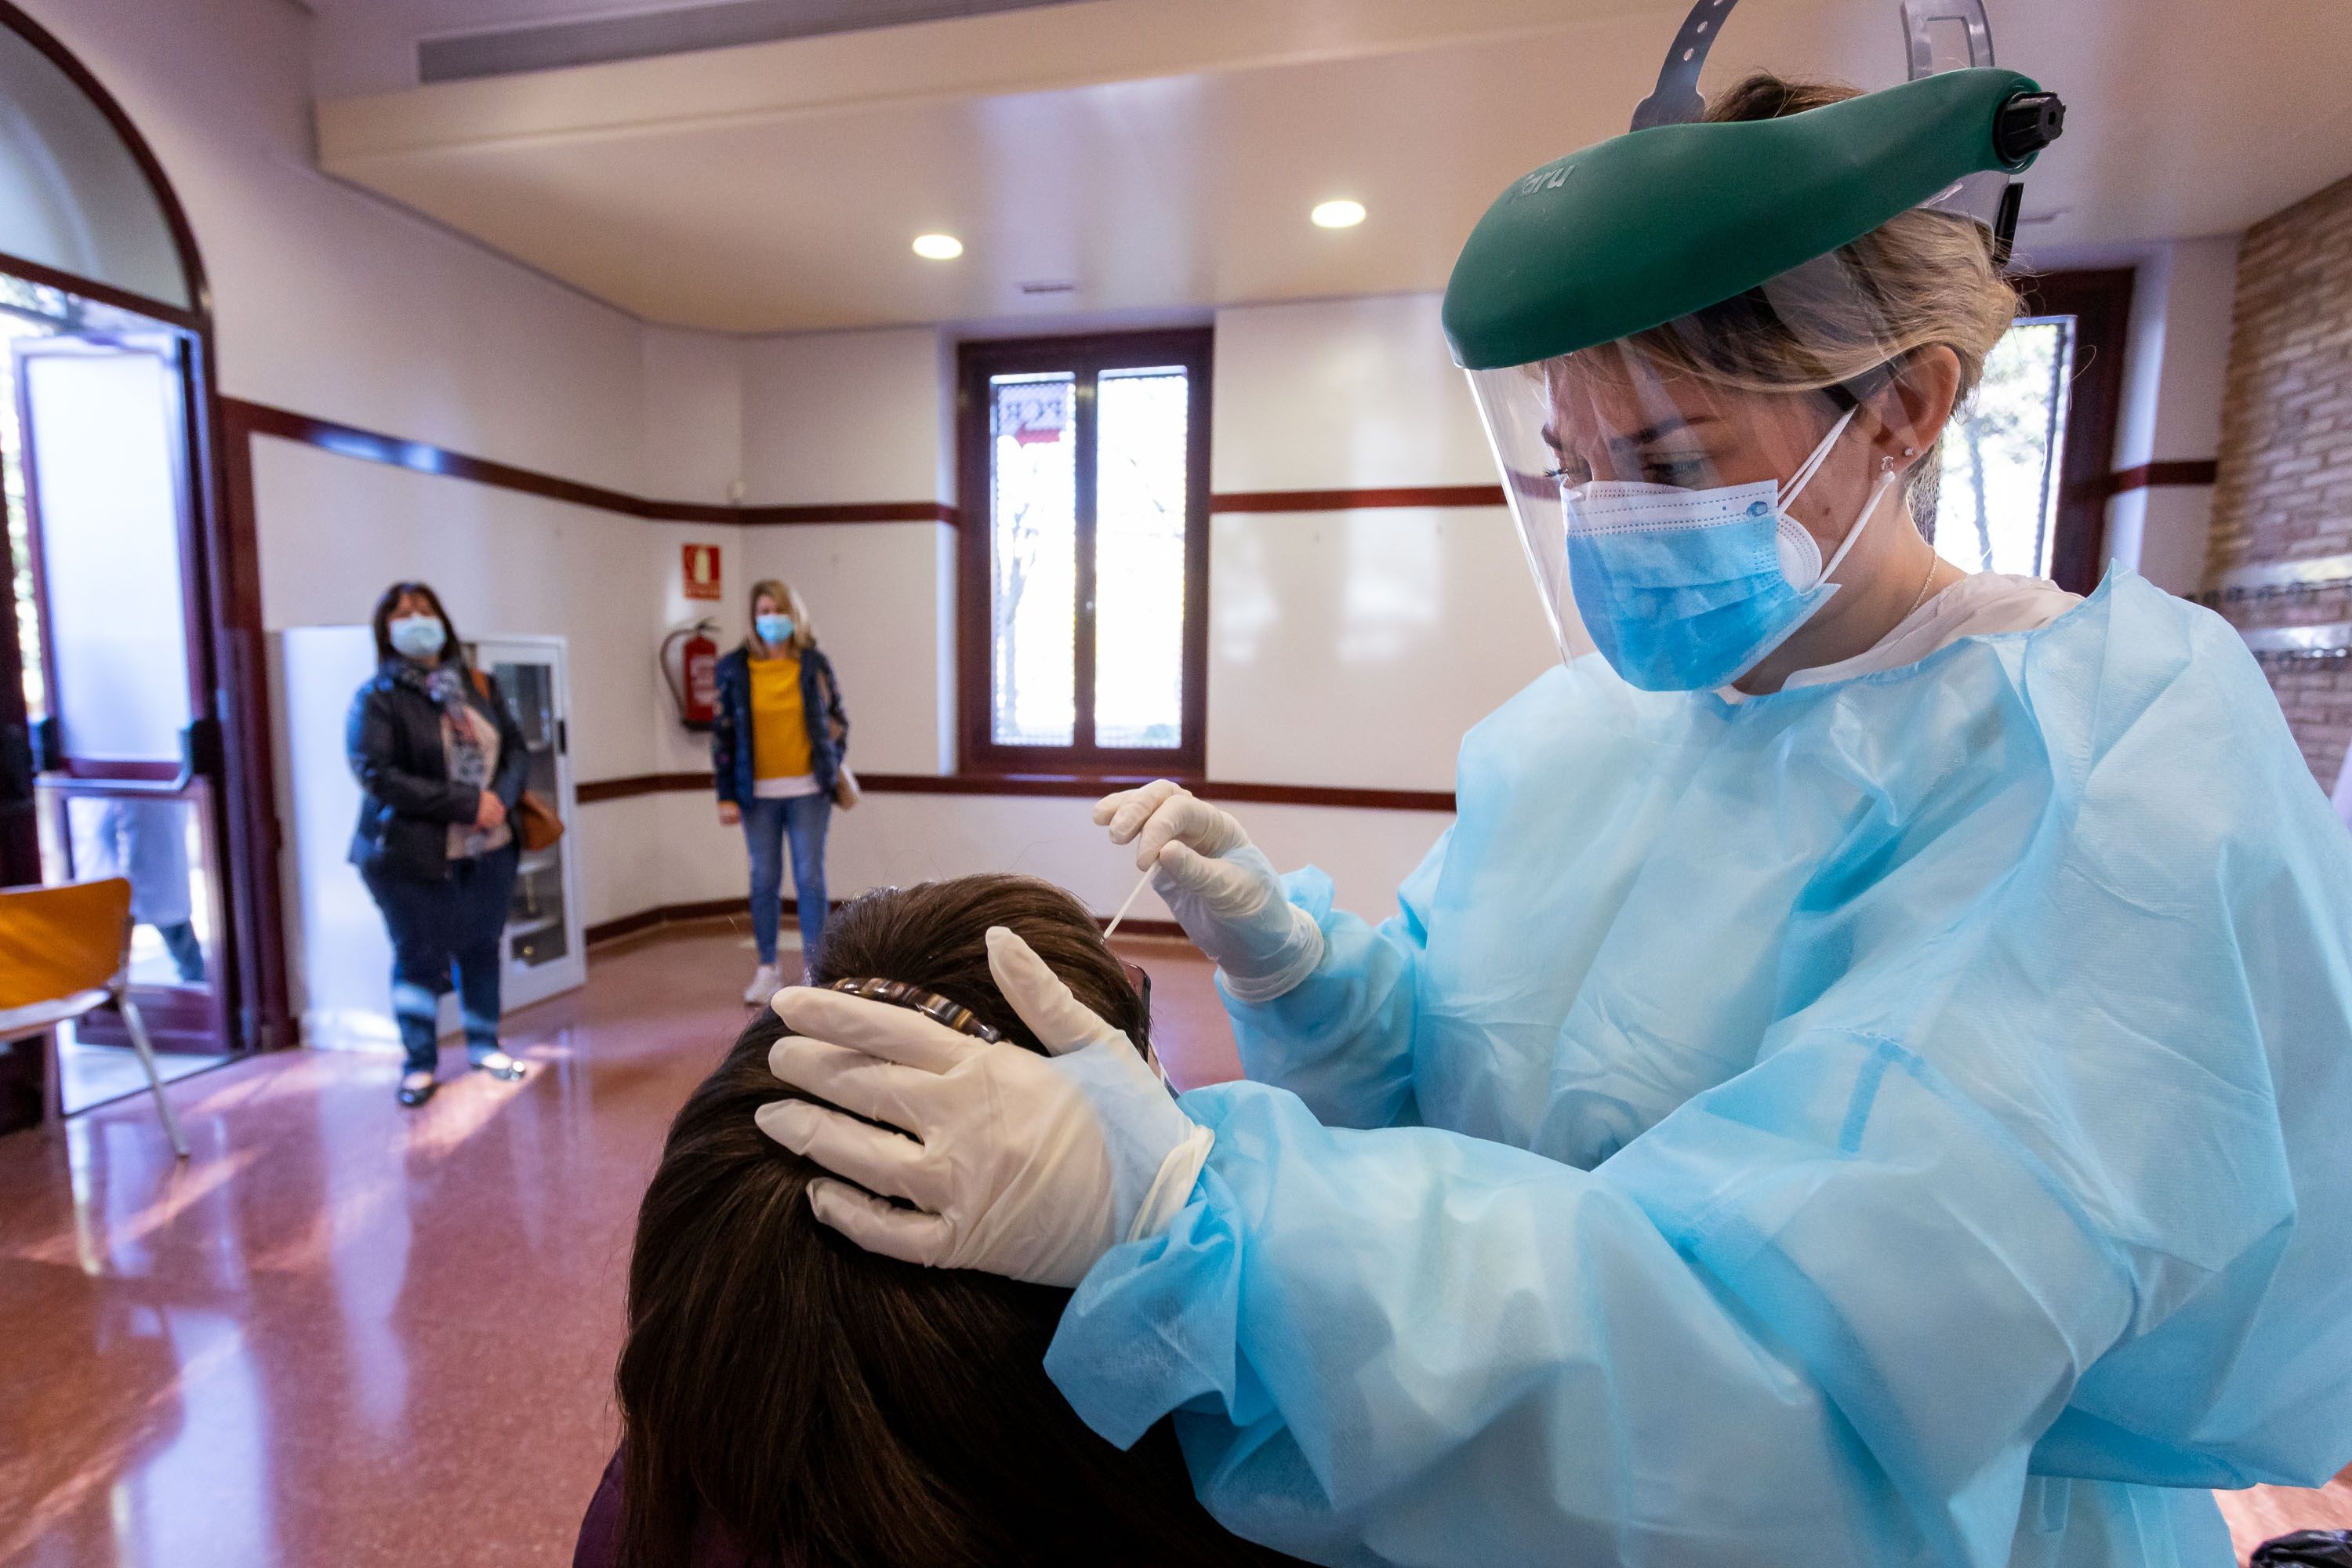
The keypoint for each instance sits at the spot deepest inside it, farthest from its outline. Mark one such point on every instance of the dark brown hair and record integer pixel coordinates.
(810, 1402)
(381, 621)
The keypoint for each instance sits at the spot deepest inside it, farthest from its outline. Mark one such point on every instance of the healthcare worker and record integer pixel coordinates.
(1864, 1079)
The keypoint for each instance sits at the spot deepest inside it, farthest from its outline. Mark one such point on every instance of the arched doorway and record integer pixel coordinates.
(134, 739)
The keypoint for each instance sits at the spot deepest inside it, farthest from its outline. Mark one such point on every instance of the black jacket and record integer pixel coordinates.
(407, 799)
(730, 729)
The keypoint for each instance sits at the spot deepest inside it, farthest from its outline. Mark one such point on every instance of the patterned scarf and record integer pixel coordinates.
(450, 686)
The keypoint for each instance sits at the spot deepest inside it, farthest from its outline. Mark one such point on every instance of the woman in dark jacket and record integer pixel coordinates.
(776, 747)
(441, 764)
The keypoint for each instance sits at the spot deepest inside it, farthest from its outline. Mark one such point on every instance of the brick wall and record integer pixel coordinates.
(2284, 492)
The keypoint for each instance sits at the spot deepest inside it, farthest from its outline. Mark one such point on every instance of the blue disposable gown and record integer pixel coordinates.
(1905, 1121)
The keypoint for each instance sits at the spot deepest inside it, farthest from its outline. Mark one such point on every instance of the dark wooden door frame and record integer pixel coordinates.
(225, 571)
(2100, 302)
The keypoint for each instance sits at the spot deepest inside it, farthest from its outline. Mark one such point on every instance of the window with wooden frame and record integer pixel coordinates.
(2023, 484)
(1084, 471)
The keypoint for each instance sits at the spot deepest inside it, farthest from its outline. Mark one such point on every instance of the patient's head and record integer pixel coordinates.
(819, 1404)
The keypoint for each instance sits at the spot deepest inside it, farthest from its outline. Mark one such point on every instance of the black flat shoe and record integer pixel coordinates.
(507, 1072)
(417, 1093)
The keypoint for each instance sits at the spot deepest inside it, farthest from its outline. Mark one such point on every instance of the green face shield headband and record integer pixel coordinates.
(1678, 215)
(1693, 304)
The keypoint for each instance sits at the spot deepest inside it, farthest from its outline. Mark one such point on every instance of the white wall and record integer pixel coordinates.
(1355, 647)
(334, 530)
(873, 591)
(692, 388)
(1342, 395)
(856, 418)
(335, 303)
(2176, 370)
(845, 416)
(1346, 648)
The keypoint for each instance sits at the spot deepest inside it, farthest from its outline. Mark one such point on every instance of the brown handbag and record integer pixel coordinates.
(536, 824)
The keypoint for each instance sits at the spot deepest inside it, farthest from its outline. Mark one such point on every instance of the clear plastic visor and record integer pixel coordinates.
(1737, 394)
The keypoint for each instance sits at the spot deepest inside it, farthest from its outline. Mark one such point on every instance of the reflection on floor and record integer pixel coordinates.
(97, 1074)
(343, 1334)
(346, 1334)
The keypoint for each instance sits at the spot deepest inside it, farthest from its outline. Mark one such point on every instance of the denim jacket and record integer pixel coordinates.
(730, 729)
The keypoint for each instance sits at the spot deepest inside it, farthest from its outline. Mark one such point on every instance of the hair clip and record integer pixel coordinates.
(930, 1004)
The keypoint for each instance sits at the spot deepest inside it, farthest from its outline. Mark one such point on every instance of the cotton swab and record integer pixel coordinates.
(1127, 906)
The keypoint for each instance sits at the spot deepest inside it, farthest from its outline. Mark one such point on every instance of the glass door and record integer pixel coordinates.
(545, 949)
(116, 706)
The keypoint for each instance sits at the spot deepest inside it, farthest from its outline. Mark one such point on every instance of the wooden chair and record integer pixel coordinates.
(63, 952)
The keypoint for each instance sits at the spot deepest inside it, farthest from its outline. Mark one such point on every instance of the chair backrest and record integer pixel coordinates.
(56, 942)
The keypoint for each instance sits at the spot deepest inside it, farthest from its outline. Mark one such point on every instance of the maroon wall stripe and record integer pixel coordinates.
(595, 790)
(424, 458)
(2182, 471)
(1058, 786)
(1357, 500)
(661, 915)
(849, 511)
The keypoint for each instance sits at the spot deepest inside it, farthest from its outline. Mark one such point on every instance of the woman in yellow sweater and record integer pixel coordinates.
(776, 746)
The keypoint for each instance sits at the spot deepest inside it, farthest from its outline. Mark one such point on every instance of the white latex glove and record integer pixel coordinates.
(1222, 888)
(1013, 1163)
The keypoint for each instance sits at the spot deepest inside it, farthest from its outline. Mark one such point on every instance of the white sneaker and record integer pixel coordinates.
(765, 983)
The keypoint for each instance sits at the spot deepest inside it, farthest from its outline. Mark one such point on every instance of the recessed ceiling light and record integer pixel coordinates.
(1338, 214)
(938, 246)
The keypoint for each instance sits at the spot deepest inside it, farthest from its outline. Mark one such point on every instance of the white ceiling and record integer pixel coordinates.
(1164, 154)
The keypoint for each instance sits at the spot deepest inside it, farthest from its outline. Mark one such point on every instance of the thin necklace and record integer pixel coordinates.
(1921, 597)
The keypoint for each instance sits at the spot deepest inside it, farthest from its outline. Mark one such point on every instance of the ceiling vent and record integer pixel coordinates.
(1055, 286)
(677, 30)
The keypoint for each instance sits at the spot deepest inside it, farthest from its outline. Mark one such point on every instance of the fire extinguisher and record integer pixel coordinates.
(689, 665)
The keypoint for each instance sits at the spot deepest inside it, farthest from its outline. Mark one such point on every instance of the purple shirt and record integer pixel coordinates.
(600, 1532)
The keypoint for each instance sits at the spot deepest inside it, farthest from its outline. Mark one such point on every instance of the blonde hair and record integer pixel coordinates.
(788, 599)
(1921, 279)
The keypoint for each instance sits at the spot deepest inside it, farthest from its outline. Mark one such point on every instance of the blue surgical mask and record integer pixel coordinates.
(775, 630)
(416, 636)
(1686, 590)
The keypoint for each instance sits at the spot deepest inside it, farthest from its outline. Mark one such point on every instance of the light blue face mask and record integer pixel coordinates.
(1686, 590)
(416, 636)
(775, 630)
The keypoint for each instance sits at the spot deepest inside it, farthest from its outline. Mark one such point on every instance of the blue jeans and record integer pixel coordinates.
(436, 927)
(766, 825)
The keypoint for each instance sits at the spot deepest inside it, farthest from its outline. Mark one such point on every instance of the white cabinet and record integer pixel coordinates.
(339, 959)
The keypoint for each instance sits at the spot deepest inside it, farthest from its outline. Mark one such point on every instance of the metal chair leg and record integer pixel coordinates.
(53, 1083)
(154, 1080)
